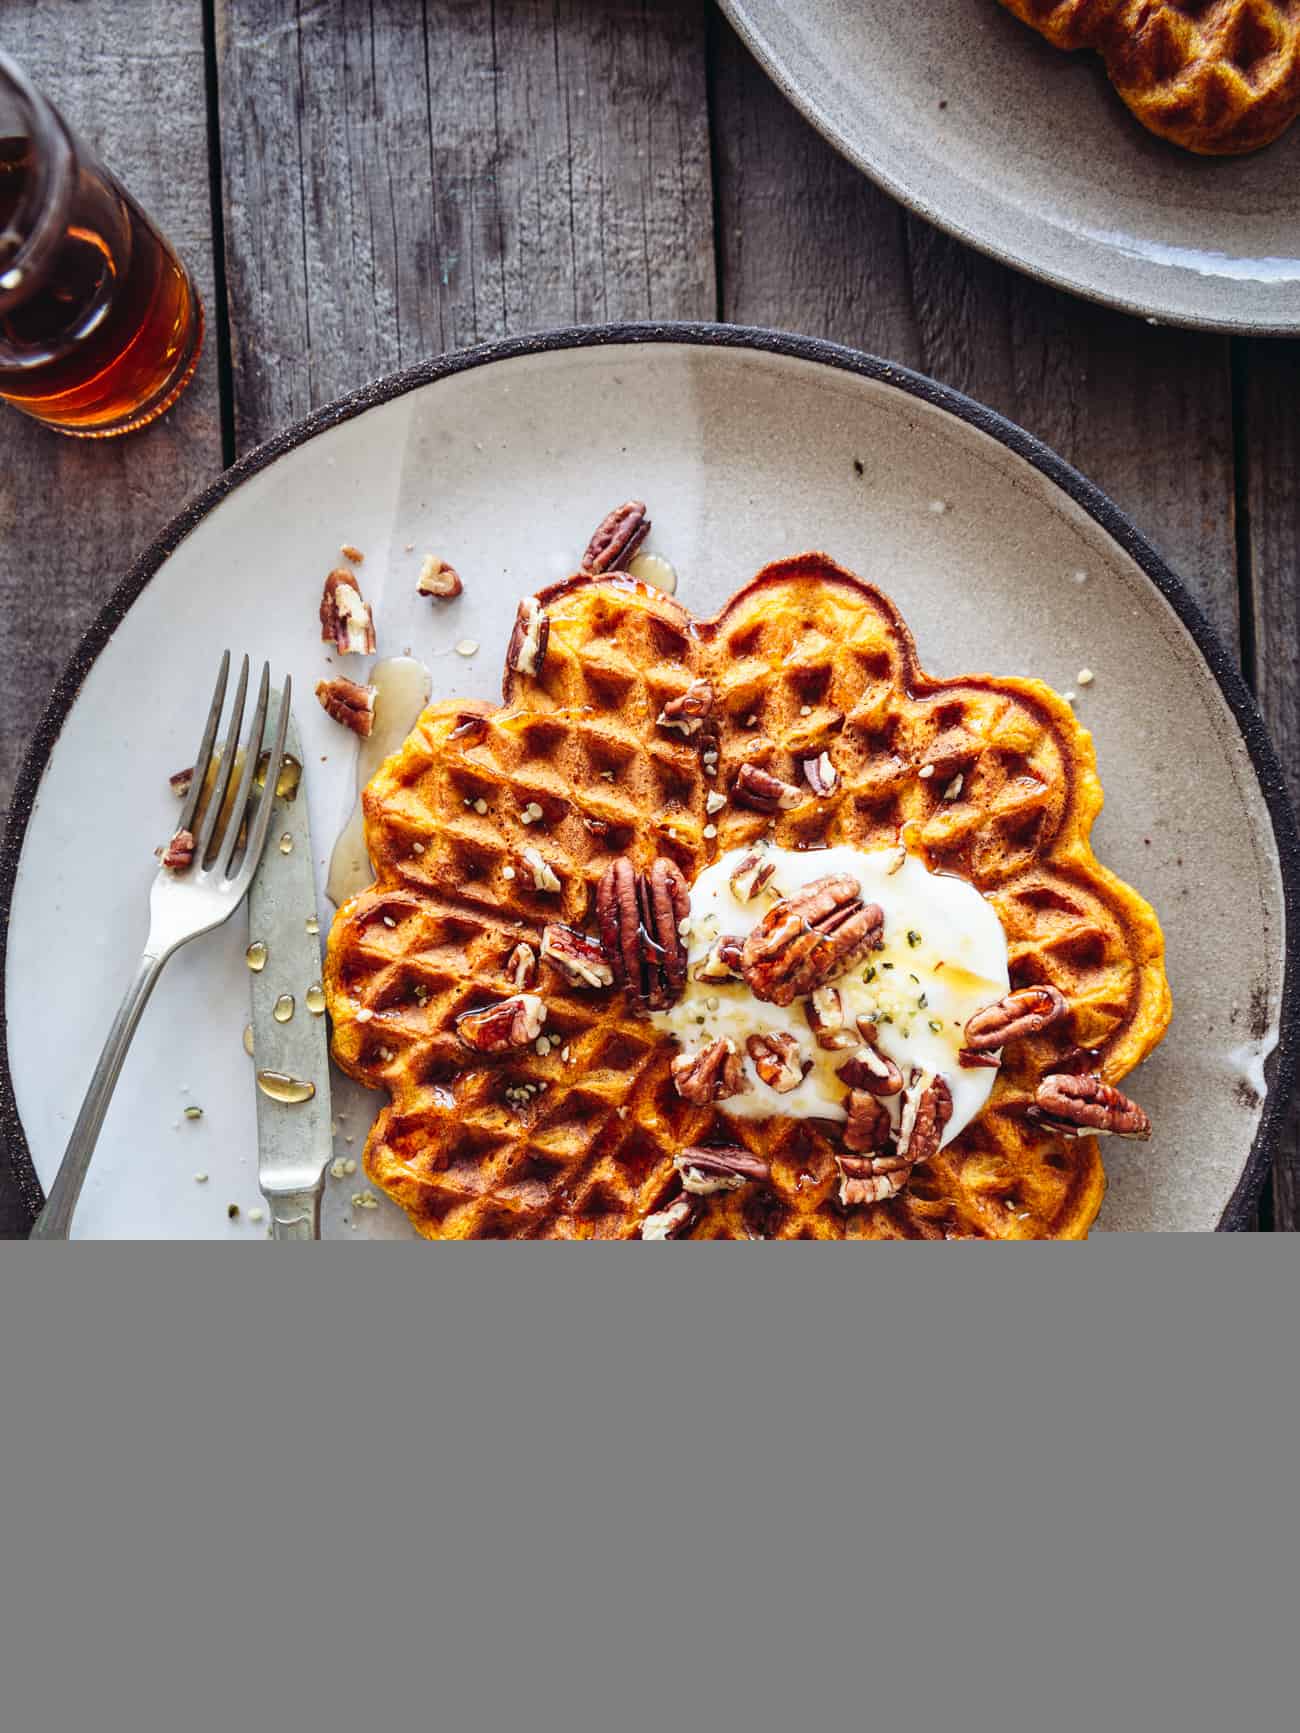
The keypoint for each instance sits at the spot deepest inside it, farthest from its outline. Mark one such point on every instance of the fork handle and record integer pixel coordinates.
(55, 1220)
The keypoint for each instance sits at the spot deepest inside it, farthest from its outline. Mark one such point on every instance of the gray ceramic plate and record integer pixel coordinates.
(747, 446)
(979, 125)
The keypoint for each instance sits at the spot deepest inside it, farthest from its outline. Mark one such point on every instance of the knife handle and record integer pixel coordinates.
(295, 1215)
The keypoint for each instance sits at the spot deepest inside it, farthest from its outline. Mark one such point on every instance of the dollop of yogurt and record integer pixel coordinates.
(944, 957)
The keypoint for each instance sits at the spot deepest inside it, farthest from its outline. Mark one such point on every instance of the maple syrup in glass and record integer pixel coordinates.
(100, 324)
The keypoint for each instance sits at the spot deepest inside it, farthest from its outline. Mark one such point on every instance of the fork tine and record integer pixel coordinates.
(262, 822)
(252, 752)
(204, 754)
(221, 781)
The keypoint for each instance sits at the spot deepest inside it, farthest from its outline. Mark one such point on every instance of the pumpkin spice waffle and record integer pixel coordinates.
(485, 982)
(1219, 77)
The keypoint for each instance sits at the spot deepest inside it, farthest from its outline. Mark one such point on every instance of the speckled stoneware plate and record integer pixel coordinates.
(747, 446)
(982, 127)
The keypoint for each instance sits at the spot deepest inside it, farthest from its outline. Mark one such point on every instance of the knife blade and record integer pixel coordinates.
(290, 1046)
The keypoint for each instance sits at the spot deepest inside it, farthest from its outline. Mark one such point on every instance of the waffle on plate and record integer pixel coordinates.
(521, 974)
(1219, 77)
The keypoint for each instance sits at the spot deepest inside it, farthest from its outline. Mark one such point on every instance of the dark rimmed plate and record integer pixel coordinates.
(748, 445)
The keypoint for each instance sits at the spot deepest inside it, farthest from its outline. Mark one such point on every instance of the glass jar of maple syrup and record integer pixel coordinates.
(100, 324)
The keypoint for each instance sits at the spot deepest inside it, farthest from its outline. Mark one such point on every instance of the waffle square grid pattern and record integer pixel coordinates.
(574, 1135)
(1218, 77)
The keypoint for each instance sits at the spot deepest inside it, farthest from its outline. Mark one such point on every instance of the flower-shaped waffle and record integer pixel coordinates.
(1220, 77)
(490, 825)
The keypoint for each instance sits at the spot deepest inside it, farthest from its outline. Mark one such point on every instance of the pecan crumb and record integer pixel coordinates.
(669, 1223)
(821, 774)
(437, 578)
(688, 713)
(179, 853)
(522, 966)
(526, 652)
(181, 781)
(580, 959)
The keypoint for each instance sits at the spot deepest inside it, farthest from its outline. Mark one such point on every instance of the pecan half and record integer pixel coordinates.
(777, 1060)
(617, 538)
(526, 651)
(349, 703)
(521, 966)
(706, 1171)
(437, 578)
(179, 853)
(1028, 1011)
(723, 961)
(712, 1074)
(670, 1223)
(688, 713)
(926, 1112)
(345, 620)
(752, 877)
(808, 940)
(580, 959)
(762, 792)
(509, 1023)
(871, 1070)
(825, 1014)
(1086, 1104)
(868, 1126)
(822, 776)
(640, 916)
(869, 1179)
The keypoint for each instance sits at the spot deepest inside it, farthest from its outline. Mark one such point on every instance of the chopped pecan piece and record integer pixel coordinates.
(1028, 1011)
(509, 1023)
(179, 853)
(640, 916)
(348, 703)
(526, 652)
(871, 1070)
(437, 578)
(806, 941)
(706, 1171)
(521, 966)
(181, 781)
(1085, 1104)
(868, 1124)
(670, 1223)
(777, 1060)
(712, 1074)
(825, 1014)
(926, 1112)
(760, 791)
(969, 1060)
(617, 538)
(544, 876)
(752, 877)
(345, 620)
(723, 961)
(821, 774)
(869, 1179)
(577, 957)
(688, 713)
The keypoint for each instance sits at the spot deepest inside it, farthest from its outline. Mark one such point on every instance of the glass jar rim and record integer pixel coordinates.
(40, 217)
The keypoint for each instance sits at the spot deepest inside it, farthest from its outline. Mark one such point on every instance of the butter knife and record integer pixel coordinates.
(290, 1046)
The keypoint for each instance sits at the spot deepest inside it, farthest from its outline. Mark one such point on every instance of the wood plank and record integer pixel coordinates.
(810, 244)
(402, 179)
(1272, 461)
(129, 75)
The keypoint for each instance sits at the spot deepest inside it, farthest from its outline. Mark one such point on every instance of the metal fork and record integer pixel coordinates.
(183, 905)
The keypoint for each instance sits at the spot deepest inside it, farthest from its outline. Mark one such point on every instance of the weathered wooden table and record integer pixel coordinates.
(359, 184)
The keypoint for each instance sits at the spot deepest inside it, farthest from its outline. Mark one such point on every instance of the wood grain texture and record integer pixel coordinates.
(404, 178)
(809, 244)
(1271, 444)
(74, 513)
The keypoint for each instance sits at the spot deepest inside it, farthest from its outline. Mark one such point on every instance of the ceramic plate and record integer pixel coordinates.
(747, 446)
(979, 125)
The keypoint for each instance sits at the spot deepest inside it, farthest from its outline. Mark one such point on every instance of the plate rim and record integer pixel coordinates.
(756, 41)
(700, 334)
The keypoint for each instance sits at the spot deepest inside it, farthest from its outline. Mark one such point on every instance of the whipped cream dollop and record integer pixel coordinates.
(944, 957)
